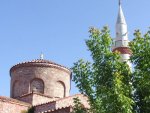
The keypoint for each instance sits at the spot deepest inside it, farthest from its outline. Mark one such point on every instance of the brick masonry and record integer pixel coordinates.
(36, 98)
(56, 83)
(62, 110)
(8, 105)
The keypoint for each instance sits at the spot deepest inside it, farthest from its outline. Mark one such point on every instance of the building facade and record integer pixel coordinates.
(41, 84)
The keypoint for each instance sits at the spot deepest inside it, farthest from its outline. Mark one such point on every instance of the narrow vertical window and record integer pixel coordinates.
(37, 85)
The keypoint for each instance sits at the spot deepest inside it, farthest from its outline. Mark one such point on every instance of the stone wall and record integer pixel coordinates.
(8, 105)
(36, 98)
(26, 98)
(63, 110)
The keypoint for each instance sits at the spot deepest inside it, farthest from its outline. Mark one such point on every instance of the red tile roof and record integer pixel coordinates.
(67, 102)
(52, 110)
(40, 63)
(59, 99)
(15, 101)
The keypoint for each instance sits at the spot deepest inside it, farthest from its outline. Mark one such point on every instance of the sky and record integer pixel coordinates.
(58, 29)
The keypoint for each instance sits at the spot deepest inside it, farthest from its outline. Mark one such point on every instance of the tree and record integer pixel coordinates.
(140, 47)
(79, 107)
(105, 80)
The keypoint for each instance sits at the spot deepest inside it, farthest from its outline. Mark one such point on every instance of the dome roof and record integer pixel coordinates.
(40, 63)
(123, 50)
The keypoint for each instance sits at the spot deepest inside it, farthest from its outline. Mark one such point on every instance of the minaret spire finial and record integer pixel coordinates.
(41, 56)
(119, 2)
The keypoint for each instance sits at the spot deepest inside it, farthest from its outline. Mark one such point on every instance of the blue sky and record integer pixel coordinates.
(58, 28)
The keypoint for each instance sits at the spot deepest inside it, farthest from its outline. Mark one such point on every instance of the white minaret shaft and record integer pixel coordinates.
(121, 29)
(121, 40)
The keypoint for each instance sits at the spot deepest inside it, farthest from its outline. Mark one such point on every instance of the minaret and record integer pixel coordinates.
(121, 40)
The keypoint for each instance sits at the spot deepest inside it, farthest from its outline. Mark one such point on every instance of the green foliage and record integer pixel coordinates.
(79, 107)
(140, 47)
(105, 80)
(24, 111)
(30, 110)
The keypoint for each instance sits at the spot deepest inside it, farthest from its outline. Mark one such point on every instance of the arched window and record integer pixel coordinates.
(37, 85)
(60, 89)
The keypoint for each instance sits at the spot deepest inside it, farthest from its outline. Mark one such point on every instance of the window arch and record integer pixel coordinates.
(60, 89)
(37, 85)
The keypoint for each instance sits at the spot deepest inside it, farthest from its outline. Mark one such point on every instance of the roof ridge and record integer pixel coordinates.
(34, 93)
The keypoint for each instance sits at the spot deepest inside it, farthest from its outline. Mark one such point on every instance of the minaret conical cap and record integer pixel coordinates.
(121, 18)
